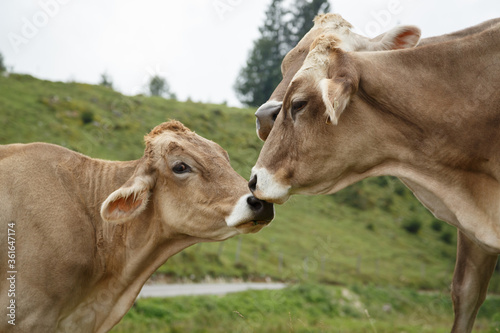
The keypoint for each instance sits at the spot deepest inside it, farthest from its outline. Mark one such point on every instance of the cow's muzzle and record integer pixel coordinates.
(263, 210)
(266, 115)
(250, 214)
(264, 186)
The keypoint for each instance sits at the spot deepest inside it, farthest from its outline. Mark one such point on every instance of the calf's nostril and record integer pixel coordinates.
(254, 203)
(252, 184)
(262, 210)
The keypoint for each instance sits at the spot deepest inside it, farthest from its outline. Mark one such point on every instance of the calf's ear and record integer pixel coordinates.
(131, 199)
(401, 37)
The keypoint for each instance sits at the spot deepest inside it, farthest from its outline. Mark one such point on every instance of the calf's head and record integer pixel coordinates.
(187, 183)
(328, 24)
(316, 146)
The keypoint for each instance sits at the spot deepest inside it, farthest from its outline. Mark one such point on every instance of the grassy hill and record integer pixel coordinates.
(374, 233)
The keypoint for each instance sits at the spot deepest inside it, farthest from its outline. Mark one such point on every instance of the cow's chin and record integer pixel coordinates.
(319, 188)
(280, 197)
(251, 227)
(272, 197)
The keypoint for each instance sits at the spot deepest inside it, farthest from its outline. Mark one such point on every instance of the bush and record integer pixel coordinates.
(87, 117)
(354, 197)
(2, 65)
(447, 237)
(413, 225)
(106, 81)
(437, 225)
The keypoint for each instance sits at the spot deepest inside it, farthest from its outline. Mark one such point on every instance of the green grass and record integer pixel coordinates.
(356, 237)
(305, 308)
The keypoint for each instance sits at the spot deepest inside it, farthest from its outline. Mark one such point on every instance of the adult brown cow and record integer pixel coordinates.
(428, 115)
(85, 234)
(396, 38)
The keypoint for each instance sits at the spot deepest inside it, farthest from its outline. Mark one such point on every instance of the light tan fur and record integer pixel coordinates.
(428, 115)
(335, 25)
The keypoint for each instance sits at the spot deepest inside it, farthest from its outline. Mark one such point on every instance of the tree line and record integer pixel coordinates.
(157, 85)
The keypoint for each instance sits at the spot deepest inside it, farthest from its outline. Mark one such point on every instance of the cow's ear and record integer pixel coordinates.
(401, 37)
(131, 199)
(336, 94)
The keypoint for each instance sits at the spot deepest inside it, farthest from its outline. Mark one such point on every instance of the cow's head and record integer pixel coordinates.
(187, 184)
(320, 139)
(328, 24)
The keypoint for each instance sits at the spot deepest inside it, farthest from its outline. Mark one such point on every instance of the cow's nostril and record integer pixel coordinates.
(275, 115)
(252, 184)
(254, 203)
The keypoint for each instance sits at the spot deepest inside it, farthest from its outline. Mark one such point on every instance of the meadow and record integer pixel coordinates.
(368, 259)
(306, 308)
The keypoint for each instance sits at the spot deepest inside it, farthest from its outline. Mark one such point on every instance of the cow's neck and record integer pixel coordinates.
(441, 102)
(126, 254)
(442, 98)
(450, 85)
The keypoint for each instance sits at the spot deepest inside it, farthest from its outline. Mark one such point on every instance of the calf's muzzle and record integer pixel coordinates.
(263, 210)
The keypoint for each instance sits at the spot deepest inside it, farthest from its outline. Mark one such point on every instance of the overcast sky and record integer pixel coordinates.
(197, 45)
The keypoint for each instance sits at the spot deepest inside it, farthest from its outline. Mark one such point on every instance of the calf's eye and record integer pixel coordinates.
(181, 168)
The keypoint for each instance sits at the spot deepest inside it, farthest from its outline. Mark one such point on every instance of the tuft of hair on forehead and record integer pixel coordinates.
(319, 57)
(325, 43)
(332, 21)
(171, 126)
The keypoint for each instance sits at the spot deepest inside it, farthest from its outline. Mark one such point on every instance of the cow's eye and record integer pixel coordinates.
(297, 106)
(181, 168)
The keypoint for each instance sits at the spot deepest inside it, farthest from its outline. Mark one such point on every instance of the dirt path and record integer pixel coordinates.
(171, 290)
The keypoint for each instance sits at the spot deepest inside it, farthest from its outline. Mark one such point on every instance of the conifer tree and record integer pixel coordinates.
(281, 31)
(304, 12)
(262, 71)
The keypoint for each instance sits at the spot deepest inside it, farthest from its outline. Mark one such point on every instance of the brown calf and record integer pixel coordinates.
(86, 234)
